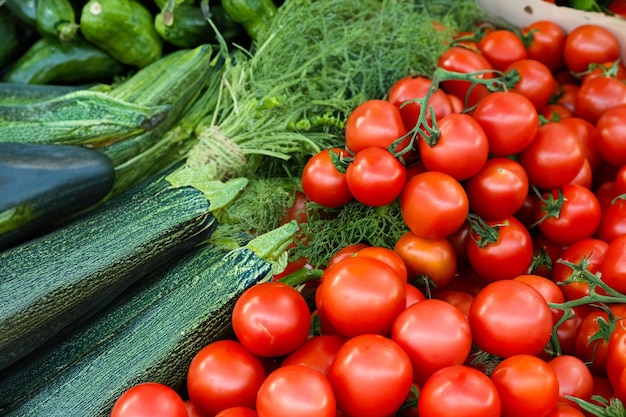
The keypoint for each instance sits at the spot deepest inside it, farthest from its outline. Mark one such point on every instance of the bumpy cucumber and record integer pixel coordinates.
(56, 19)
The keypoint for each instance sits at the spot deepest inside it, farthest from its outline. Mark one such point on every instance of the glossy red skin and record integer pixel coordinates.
(568, 330)
(459, 391)
(620, 180)
(237, 412)
(345, 252)
(459, 299)
(589, 44)
(574, 377)
(609, 134)
(548, 40)
(613, 223)
(373, 123)
(564, 410)
(371, 376)
(597, 95)
(552, 163)
(463, 60)
(498, 190)
(593, 251)
(317, 352)
(296, 390)
(585, 176)
(222, 375)
(149, 399)
(616, 360)
(501, 48)
(510, 318)
(613, 266)
(584, 131)
(548, 289)
(375, 177)
(434, 334)
(536, 81)
(193, 411)
(527, 386)
(461, 150)
(555, 112)
(509, 120)
(413, 295)
(323, 183)
(388, 256)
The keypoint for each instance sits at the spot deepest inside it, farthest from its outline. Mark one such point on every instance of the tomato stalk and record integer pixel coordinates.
(301, 276)
(551, 206)
(612, 408)
(486, 234)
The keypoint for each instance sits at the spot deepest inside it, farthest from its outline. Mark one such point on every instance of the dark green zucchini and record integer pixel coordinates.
(42, 184)
(13, 93)
(25, 10)
(159, 343)
(10, 36)
(63, 277)
(57, 19)
(185, 26)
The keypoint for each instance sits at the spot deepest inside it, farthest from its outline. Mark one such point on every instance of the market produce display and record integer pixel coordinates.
(373, 209)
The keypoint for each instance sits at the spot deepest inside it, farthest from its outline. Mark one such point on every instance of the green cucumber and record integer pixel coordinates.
(25, 10)
(159, 343)
(185, 26)
(53, 282)
(83, 117)
(56, 19)
(42, 184)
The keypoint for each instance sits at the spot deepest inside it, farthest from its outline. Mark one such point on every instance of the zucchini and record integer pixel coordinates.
(82, 117)
(57, 19)
(184, 26)
(25, 10)
(159, 343)
(13, 93)
(41, 184)
(57, 280)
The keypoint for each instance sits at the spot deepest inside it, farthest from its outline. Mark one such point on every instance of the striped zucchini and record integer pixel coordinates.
(53, 282)
(15, 93)
(159, 343)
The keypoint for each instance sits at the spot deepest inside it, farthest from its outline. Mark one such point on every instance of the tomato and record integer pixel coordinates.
(564, 410)
(434, 334)
(567, 332)
(388, 256)
(536, 81)
(317, 352)
(416, 87)
(224, 374)
(554, 157)
(609, 136)
(361, 295)
(597, 95)
(502, 47)
(565, 95)
(237, 412)
(463, 60)
(527, 386)
(498, 190)
(373, 123)
(193, 411)
(458, 240)
(323, 183)
(620, 180)
(413, 295)
(574, 218)
(584, 131)
(589, 44)
(590, 249)
(509, 255)
(509, 318)
(459, 299)
(375, 177)
(271, 319)
(457, 103)
(434, 204)
(371, 376)
(296, 390)
(459, 391)
(613, 265)
(461, 149)
(345, 252)
(574, 377)
(547, 43)
(149, 399)
(433, 258)
(616, 360)
(548, 289)
(607, 69)
(613, 222)
(555, 112)
(509, 120)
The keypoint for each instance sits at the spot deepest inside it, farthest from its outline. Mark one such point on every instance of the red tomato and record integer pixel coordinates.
(458, 240)
(607, 69)
(584, 131)
(609, 136)
(616, 360)
(501, 48)
(463, 60)
(597, 95)
(271, 319)
(568, 214)
(459, 391)
(584, 177)
(317, 352)
(547, 288)
(432, 258)
(509, 253)
(461, 149)
(509, 120)
(410, 88)
(564, 410)
(433, 204)
(510, 318)
(592, 251)
(554, 157)
(345, 252)
(555, 112)
(536, 82)
(361, 295)
(498, 190)
(459, 299)
(193, 411)
(457, 104)
(413, 295)
(574, 377)
(222, 375)
(605, 193)
(323, 183)
(527, 386)
(588, 44)
(388, 256)
(237, 412)
(568, 330)
(434, 334)
(613, 222)
(149, 399)
(373, 123)
(613, 266)
(547, 43)
(296, 390)
(371, 376)
(565, 94)
(620, 180)
(375, 177)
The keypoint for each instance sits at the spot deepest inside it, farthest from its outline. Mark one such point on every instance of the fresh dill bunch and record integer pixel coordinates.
(329, 230)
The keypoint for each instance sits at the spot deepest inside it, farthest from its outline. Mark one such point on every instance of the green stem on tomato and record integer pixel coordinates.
(302, 276)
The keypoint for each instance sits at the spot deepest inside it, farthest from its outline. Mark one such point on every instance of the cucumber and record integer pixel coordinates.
(159, 343)
(42, 184)
(57, 19)
(185, 26)
(83, 117)
(53, 282)
(25, 10)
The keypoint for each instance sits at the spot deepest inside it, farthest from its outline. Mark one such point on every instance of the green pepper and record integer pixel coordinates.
(253, 15)
(56, 19)
(124, 29)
